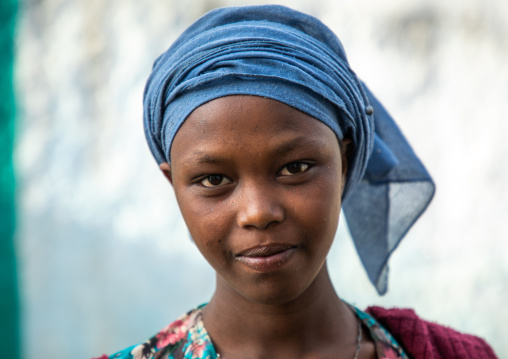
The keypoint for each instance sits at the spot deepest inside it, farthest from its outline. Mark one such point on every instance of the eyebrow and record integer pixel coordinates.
(206, 157)
(299, 142)
(203, 157)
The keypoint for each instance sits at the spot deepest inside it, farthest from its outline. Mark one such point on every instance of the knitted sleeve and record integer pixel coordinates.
(426, 340)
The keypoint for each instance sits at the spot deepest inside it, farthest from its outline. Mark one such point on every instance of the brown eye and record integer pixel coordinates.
(214, 181)
(294, 168)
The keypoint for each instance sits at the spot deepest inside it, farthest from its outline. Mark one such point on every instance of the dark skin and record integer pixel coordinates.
(259, 185)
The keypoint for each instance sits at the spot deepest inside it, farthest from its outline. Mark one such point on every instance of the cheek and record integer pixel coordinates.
(208, 225)
(320, 209)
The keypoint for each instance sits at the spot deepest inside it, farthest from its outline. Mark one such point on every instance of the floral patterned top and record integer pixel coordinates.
(187, 338)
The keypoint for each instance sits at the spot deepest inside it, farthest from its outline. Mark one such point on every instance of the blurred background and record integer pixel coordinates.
(103, 257)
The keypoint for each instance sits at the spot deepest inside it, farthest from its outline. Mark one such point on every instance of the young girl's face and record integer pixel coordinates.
(259, 185)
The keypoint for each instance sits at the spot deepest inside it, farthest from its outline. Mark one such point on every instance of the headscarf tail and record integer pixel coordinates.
(397, 185)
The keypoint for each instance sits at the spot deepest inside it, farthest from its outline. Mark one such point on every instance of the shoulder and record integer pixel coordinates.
(174, 341)
(427, 340)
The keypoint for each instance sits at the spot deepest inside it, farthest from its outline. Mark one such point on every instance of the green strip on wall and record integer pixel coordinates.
(9, 301)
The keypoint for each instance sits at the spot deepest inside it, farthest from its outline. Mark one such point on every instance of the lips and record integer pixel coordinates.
(267, 258)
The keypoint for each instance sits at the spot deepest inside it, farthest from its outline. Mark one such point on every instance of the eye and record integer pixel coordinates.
(294, 168)
(214, 181)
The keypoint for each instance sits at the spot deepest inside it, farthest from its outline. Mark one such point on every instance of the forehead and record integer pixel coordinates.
(247, 123)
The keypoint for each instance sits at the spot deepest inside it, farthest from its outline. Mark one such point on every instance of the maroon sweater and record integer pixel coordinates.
(425, 340)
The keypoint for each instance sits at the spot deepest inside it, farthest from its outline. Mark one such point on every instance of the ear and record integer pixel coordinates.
(166, 169)
(345, 151)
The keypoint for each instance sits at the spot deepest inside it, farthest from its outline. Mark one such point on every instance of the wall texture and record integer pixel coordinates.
(105, 259)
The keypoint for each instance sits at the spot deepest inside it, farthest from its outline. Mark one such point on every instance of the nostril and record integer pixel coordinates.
(260, 217)
(259, 223)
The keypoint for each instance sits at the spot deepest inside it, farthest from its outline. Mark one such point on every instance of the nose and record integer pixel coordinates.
(258, 207)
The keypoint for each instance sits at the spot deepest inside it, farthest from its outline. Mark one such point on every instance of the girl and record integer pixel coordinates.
(264, 132)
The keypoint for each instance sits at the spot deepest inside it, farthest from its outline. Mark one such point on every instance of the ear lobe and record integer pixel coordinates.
(166, 170)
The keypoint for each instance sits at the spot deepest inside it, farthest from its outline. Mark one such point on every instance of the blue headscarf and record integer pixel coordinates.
(278, 53)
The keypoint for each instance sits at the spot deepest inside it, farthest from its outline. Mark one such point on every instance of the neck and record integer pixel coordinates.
(316, 319)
